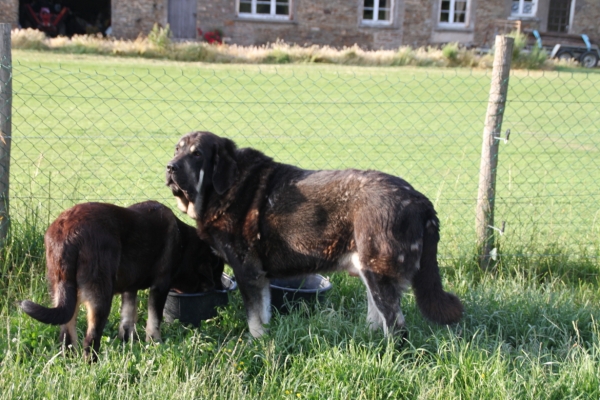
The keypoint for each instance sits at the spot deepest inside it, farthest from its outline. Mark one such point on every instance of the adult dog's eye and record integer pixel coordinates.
(196, 153)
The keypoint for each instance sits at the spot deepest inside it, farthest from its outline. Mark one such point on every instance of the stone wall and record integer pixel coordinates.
(587, 19)
(9, 12)
(337, 22)
(418, 22)
(486, 12)
(334, 23)
(131, 18)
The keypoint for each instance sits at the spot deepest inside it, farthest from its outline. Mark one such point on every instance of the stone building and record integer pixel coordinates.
(369, 23)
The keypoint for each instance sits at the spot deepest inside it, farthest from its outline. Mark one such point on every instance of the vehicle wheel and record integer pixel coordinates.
(589, 59)
(564, 55)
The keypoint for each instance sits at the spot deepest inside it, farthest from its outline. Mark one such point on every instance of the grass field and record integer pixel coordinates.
(94, 128)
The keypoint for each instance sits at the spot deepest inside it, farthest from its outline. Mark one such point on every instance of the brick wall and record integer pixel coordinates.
(485, 13)
(418, 22)
(9, 12)
(333, 22)
(129, 18)
(587, 19)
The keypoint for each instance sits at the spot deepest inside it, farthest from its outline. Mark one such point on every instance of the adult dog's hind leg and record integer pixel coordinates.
(128, 315)
(374, 316)
(384, 295)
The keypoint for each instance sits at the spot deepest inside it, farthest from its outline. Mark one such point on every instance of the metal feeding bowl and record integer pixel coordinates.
(288, 293)
(192, 308)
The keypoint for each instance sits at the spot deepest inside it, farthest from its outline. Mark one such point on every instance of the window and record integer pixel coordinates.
(523, 8)
(377, 11)
(279, 9)
(453, 12)
(559, 16)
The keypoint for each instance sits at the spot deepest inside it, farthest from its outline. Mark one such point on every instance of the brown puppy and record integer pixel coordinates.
(268, 219)
(95, 250)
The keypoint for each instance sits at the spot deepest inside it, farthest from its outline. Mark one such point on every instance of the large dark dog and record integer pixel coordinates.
(269, 219)
(95, 250)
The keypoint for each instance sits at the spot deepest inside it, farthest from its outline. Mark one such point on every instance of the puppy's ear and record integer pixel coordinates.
(225, 170)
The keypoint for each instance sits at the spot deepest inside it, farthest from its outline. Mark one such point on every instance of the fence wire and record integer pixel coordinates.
(105, 133)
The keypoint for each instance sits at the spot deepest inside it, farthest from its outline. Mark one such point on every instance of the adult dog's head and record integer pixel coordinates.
(203, 163)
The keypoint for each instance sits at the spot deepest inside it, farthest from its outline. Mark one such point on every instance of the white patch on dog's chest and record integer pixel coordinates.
(350, 262)
(181, 204)
(200, 180)
(191, 211)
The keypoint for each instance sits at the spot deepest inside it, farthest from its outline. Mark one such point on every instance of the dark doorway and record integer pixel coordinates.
(559, 15)
(65, 17)
(182, 18)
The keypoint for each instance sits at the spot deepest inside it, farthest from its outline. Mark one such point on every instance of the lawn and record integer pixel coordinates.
(100, 128)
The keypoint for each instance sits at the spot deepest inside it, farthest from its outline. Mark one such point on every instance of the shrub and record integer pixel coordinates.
(403, 56)
(519, 44)
(522, 58)
(451, 52)
(158, 44)
(28, 39)
(212, 37)
(277, 56)
(160, 37)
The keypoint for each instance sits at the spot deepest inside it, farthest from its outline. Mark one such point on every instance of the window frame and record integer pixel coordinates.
(451, 13)
(521, 5)
(376, 21)
(272, 16)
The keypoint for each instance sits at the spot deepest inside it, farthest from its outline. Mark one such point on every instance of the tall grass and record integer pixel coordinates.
(521, 337)
(158, 44)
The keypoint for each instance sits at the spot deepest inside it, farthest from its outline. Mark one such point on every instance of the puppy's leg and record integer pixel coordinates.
(156, 303)
(68, 332)
(128, 315)
(98, 309)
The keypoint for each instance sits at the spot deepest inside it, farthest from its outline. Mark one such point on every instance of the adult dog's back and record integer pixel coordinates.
(369, 223)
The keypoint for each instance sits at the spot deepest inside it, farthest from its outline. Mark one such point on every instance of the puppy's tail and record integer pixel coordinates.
(65, 295)
(435, 304)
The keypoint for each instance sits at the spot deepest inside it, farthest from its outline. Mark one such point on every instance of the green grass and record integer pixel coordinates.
(521, 337)
(94, 128)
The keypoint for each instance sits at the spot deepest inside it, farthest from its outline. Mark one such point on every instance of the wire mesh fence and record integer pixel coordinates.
(88, 131)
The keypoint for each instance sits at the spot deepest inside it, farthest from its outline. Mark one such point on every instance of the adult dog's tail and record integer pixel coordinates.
(65, 295)
(435, 304)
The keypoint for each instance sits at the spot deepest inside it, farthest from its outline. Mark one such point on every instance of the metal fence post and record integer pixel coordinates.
(489, 149)
(5, 125)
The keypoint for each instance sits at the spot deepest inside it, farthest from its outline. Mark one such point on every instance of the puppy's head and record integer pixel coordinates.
(204, 164)
(200, 269)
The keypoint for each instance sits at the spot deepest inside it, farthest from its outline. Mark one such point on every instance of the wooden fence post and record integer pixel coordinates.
(489, 150)
(5, 125)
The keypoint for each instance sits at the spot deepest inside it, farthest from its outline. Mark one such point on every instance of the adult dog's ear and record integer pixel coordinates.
(225, 170)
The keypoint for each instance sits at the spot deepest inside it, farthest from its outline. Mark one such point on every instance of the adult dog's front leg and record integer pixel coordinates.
(254, 287)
